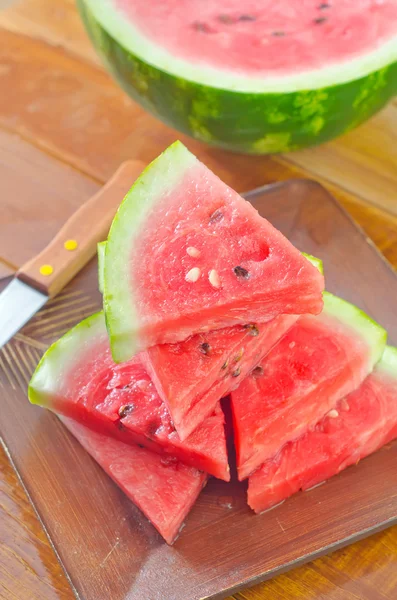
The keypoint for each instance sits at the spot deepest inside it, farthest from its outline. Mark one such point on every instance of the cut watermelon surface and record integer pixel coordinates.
(256, 76)
(186, 255)
(361, 423)
(182, 373)
(78, 379)
(163, 489)
(319, 361)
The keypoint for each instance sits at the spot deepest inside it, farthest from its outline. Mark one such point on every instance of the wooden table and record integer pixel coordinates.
(64, 127)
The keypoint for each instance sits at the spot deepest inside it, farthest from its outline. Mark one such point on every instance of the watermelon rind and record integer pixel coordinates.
(388, 362)
(101, 247)
(162, 175)
(373, 333)
(236, 111)
(316, 262)
(54, 363)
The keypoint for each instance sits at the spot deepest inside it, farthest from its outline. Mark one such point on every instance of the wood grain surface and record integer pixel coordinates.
(65, 126)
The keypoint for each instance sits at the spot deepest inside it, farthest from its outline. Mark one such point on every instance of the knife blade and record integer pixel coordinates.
(69, 251)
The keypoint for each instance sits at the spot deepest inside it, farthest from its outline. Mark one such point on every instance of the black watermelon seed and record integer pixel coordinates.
(247, 18)
(227, 19)
(202, 27)
(320, 20)
(125, 410)
(140, 446)
(237, 372)
(239, 356)
(278, 33)
(205, 348)
(224, 366)
(323, 6)
(152, 428)
(252, 329)
(241, 272)
(258, 371)
(216, 216)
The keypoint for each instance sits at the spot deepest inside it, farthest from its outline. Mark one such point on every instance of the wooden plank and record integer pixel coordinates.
(38, 193)
(363, 162)
(29, 568)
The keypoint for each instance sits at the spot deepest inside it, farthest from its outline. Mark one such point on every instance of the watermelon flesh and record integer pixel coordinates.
(163, 489)
(186, 254)
(183, 372)
(361, 424)
(78, 379)
(262, 38)
(319, 361)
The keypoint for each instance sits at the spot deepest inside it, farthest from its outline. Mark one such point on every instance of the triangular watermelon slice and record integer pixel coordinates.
(361, 423)
(164, 490)
(186, 254)
(319, 361)
(78, 379)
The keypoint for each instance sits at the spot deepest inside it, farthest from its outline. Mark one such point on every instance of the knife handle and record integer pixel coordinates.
(76, 243)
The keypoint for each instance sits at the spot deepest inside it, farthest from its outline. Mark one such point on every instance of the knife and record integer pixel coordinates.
(73, 246)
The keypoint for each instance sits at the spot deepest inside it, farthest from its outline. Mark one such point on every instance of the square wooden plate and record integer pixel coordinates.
(108, 549)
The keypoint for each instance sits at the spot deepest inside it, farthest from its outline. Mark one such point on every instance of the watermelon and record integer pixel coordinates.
(255, 76)
(186, 254)
(319, 361)
(164, 490)
(77, 378)
(192, 376)
(361, 423)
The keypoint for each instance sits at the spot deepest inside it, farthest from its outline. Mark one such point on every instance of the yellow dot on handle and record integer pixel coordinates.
(46, 270)
(70, 245)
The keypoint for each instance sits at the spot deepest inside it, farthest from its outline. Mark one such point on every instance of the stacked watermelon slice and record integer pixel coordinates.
(203, 298)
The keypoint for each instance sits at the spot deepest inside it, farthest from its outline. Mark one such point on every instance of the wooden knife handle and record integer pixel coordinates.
(76, 243)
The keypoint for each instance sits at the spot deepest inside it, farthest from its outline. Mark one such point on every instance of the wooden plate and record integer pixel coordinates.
(108, 549)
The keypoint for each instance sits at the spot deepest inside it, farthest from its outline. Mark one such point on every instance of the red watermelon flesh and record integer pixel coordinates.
(78, 379)
(187, 254)
(361, 423)
(192, 376)
(164, 490)
(319, 361)
(263, 37)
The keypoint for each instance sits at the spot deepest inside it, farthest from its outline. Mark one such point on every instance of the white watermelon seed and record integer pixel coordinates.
(344, 404)
(214, 279)
(194, 252)
(193, 275)
(333, 414)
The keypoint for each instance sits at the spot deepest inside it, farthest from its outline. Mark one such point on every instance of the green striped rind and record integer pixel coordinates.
(388, 362)
(122, 320)
(55, 363)
(258, 123)
(101, 247)
(374, 335)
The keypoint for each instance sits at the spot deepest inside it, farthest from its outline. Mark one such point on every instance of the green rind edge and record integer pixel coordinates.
(59, 356)
(388, 362)
(355, 318)
(257, 123)
(122, 320)
(316, 262)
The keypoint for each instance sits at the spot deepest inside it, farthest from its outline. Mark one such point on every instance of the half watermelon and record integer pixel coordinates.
(318, 362)
(163, 489)
(252, 76)
(186, 254)
(361, 423)
(77, 378)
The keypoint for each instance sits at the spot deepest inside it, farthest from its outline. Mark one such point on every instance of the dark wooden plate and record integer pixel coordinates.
(108, 549)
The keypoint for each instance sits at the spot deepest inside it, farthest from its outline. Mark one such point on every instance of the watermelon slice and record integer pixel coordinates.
(163, 489)
(318, 362)
(78, 379)
(361, 423)
(186, 254)
(253, 76)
